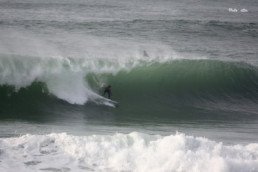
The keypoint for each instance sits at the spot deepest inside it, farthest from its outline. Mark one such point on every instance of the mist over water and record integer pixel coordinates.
(185, 74)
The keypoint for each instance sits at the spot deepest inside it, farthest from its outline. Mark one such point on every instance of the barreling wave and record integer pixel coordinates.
(62, 77)
(186, 80)
(145, 83)
(178, 86)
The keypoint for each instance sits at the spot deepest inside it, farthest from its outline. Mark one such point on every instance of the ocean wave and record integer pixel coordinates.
(124, 152)
(64, 77)
(78, 81)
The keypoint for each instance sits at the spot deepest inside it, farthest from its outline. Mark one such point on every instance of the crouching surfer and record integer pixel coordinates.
(107, 90)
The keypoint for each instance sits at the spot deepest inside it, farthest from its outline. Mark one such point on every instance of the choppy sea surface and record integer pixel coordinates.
(185, 74)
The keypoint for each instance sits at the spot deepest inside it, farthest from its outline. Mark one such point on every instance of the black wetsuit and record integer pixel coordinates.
(107, 90)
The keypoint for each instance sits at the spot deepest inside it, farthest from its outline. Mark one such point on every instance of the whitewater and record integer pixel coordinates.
(124, 152)
(185, 74)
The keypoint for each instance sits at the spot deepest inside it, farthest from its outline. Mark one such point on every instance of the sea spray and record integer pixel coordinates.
(65, 76)
(125, 152)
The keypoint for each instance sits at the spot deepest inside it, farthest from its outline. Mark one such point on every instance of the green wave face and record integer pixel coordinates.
(191, 79)
(177, 90)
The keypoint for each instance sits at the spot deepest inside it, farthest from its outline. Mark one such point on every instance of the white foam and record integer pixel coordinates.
(63, 64)
(63, 60)
(124, 152)
(64, 77)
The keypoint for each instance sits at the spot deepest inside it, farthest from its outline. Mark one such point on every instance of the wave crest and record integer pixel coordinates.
(126, 152)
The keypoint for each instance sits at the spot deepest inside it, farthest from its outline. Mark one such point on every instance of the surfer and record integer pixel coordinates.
(108, 91)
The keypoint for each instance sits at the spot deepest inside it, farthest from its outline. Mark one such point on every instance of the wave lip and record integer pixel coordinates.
(125, 152)
(161, 83)
(65, 76)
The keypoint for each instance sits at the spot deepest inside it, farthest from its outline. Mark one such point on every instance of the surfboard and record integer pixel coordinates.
(113, 102)
(109, 101)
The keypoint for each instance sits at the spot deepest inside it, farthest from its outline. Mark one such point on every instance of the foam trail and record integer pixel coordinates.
(125, 152)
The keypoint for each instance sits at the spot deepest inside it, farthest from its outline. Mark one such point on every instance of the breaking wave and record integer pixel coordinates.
(124, 152)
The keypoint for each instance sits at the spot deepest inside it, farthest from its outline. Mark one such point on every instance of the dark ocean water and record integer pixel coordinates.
(185, 74)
